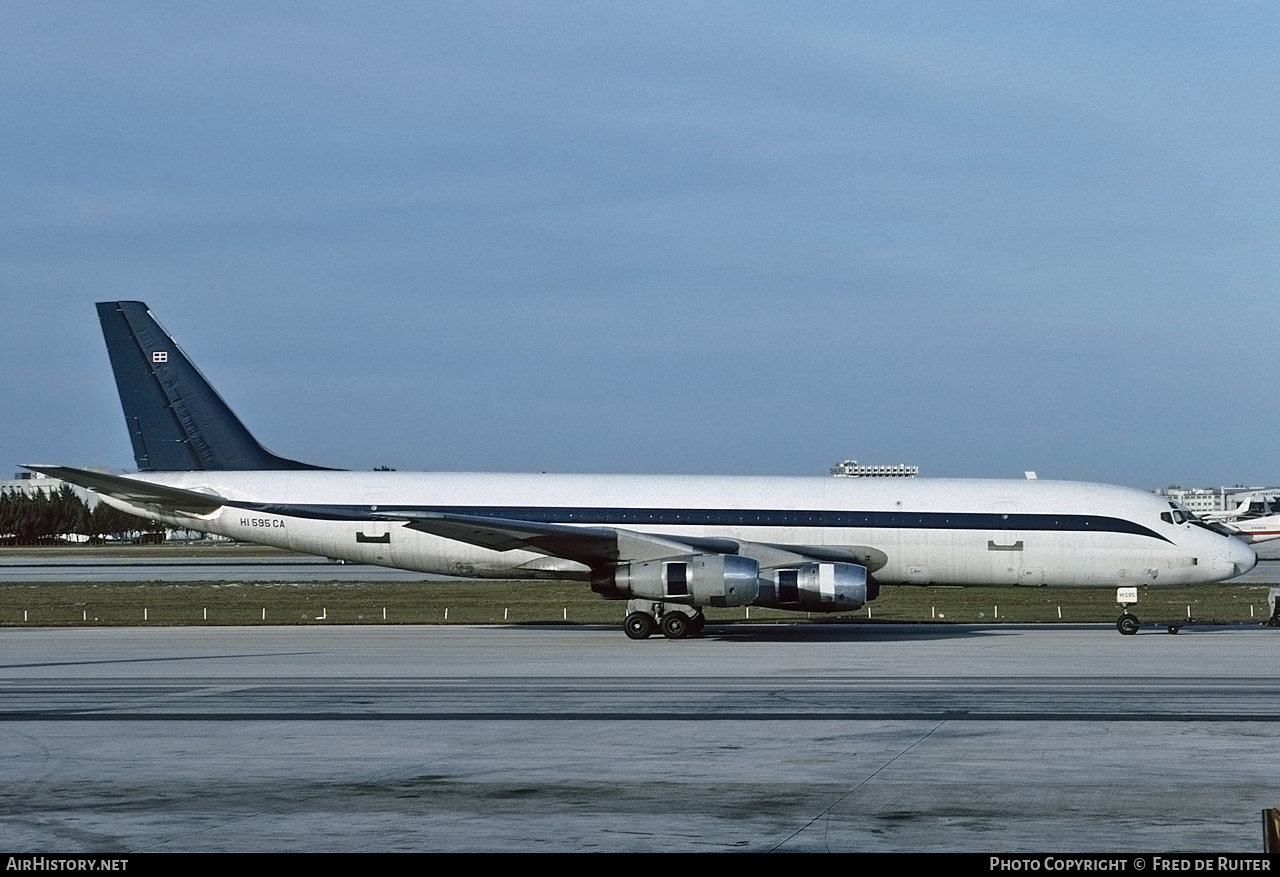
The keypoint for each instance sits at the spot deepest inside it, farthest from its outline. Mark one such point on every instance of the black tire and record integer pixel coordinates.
(675, 625)
(638, 625)
(1127, 624)
(696, 624)
(1174, 628)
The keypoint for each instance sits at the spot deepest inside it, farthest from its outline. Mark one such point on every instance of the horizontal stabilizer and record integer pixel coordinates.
(133, 491)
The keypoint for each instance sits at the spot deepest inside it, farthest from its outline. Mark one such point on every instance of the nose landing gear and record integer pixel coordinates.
(1127, 624)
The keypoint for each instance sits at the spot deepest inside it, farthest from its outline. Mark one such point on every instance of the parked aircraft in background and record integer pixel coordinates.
(1256, 518)
(668, 545)
(1255, 530)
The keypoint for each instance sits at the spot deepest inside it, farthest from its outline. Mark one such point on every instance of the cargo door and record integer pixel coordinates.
(1004, 547)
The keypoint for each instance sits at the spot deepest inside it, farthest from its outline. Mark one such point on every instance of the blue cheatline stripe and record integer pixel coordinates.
(734, 517)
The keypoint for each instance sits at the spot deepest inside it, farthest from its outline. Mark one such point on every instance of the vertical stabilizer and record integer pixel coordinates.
(177, 421)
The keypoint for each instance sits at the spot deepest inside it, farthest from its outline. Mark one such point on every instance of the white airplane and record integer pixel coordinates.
(1253, 530)
(669, 545)
(1256, 518)
(1249, 505)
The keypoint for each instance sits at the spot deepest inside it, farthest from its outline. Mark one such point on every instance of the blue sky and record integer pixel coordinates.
(693, 238)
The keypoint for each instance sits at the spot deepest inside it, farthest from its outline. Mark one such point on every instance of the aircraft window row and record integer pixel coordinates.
(818, 518)
(833, 518)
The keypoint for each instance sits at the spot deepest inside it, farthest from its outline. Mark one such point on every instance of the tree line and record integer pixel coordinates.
(47, 516)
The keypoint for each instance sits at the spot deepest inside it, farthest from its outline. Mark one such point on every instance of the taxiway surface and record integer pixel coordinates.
(788, 738)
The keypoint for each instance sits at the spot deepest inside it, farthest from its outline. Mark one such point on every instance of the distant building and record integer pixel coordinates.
(33, 482)
(37, 482)
(854, 469)
(1211, 500)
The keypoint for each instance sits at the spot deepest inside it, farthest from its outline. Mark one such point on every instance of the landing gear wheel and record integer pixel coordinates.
(1174, 628)
(1127, 624)
(675, 625)
(696, 623)
(638, 625)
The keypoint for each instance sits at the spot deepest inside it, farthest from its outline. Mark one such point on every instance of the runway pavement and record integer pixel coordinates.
(787, 738)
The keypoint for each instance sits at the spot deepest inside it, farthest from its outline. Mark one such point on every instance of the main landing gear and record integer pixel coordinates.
(638, 625)
(676, 621)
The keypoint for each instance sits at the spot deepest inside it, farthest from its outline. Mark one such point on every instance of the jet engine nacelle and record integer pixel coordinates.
(817, 587)
(693, 579)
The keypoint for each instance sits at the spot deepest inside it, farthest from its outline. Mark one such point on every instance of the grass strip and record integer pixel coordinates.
(64, 604)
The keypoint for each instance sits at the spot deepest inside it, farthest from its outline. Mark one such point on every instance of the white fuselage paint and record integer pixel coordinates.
(1254, 530)
(1078, 556)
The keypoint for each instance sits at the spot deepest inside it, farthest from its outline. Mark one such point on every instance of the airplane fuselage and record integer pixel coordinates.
(930, 531)
(668, 545)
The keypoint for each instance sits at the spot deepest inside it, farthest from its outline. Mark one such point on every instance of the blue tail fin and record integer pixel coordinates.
(177, 421)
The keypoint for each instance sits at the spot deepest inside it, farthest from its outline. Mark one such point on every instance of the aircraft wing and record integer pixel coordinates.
(132, 490)
(601, 546)
(594, 546)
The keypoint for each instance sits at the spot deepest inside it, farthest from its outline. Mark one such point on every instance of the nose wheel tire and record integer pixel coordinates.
(638, 625)
(1127, 624)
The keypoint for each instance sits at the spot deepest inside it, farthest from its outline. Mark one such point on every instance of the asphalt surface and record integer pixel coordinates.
(760, 738)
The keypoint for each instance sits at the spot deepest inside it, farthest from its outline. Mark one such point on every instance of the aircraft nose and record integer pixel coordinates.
(1242, 556)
